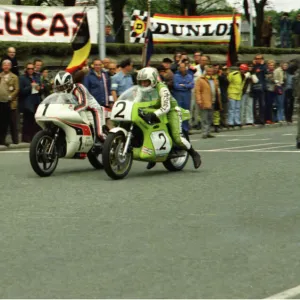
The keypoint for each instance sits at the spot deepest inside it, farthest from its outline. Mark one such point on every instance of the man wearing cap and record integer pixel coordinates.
(168, 74)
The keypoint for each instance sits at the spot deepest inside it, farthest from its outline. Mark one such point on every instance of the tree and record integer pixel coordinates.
(163, 7)
(117, 7)
(176, 7)
(45, 2)
(259, 6)
(69, 2)
(188, 7)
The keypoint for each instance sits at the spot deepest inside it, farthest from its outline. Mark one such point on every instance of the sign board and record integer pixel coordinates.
(213, 29)
(56, 24)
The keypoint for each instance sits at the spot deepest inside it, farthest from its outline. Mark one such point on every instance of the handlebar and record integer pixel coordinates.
(142, 115)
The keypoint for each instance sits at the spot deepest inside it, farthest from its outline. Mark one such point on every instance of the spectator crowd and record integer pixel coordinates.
(257, 93)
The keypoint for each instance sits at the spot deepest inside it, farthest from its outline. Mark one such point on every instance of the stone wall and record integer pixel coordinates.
(56, 64)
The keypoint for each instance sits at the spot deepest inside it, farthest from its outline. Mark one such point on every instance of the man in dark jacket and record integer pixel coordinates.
(258, 89)
(296, 31)
(294, 69)
(98, 84)
(30, 86)
(11, 55)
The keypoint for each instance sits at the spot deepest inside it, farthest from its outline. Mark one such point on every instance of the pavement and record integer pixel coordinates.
(227, 230)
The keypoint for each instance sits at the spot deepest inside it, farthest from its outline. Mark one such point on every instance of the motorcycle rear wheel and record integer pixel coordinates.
(176, 164)
(95, 159)
(39, 145)
(115, 165)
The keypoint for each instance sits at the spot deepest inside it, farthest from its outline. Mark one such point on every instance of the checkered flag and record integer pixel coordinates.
(138, 25)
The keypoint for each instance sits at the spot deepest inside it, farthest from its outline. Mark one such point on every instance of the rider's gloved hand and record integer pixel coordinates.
(151, 118)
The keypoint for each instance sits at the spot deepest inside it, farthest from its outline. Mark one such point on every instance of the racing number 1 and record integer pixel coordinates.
(162, 136)
(118, 114)
(45, 109)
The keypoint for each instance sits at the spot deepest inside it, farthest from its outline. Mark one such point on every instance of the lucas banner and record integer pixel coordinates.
(46, 24)
(213, 29)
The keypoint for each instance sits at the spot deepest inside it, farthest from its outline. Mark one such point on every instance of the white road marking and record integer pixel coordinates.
(247, 146)
(241, 135)
(287, 294)
(237, 140)
(283, 146)
(288, 134)
(247, 151)
(14, 151)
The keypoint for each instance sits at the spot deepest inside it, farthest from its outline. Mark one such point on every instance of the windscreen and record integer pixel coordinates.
(60, 98)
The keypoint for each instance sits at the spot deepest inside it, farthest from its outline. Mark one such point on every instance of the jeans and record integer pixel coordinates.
(206, 120)
(234, 112)
(194, 109)
(288, 105)
(4, 121)
(280, 107)
(259, 106)
(270, 100)
(224, 114)
(284, 39)
(186, 104)
(247, 109)
(298, 125)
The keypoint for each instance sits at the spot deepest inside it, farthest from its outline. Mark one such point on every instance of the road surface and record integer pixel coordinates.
(227, 230)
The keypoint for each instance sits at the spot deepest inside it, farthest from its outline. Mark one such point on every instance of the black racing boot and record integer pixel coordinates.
(196, 157)
(151, 165)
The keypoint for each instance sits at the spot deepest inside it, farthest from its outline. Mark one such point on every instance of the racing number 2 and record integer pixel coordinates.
(162, 137)
(118, 114)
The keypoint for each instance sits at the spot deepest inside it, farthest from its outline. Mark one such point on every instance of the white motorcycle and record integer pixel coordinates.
(66, 134)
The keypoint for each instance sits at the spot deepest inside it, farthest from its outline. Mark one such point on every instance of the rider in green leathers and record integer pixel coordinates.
(151, 88)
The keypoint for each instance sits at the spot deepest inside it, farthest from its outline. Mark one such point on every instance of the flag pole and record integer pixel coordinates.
(101, 28)
(144, 54)
(251, 22)
(78, 26)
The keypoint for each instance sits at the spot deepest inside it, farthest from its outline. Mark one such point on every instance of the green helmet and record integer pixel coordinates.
(150, 74)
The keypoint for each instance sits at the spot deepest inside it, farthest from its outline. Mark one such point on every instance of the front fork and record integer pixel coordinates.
(53, 142)
(128, 138)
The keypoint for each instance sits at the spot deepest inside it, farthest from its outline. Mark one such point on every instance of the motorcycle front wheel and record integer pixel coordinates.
(115, 164)
(42, 162)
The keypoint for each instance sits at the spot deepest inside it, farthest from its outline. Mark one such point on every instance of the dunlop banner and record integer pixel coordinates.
(180, 29)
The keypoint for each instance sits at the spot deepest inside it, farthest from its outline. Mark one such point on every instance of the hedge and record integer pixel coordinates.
(62, 49)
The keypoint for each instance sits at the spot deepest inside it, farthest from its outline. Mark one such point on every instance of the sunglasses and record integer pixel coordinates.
(30, 68)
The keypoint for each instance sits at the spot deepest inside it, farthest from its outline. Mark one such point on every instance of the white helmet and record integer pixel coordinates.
(63, 82)
(150, 74)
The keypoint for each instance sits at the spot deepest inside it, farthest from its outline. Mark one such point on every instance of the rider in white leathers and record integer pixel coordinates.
(63, 82)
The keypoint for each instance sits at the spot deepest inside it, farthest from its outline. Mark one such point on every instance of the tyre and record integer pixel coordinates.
(115, 165)
(177, 163)
(41, 162)
(95, 159)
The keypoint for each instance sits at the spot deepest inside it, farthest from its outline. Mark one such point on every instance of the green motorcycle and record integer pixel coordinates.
(136, 139)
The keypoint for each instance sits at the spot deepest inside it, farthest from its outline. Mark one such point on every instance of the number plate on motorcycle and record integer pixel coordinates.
(161, 143)
(121, 111)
